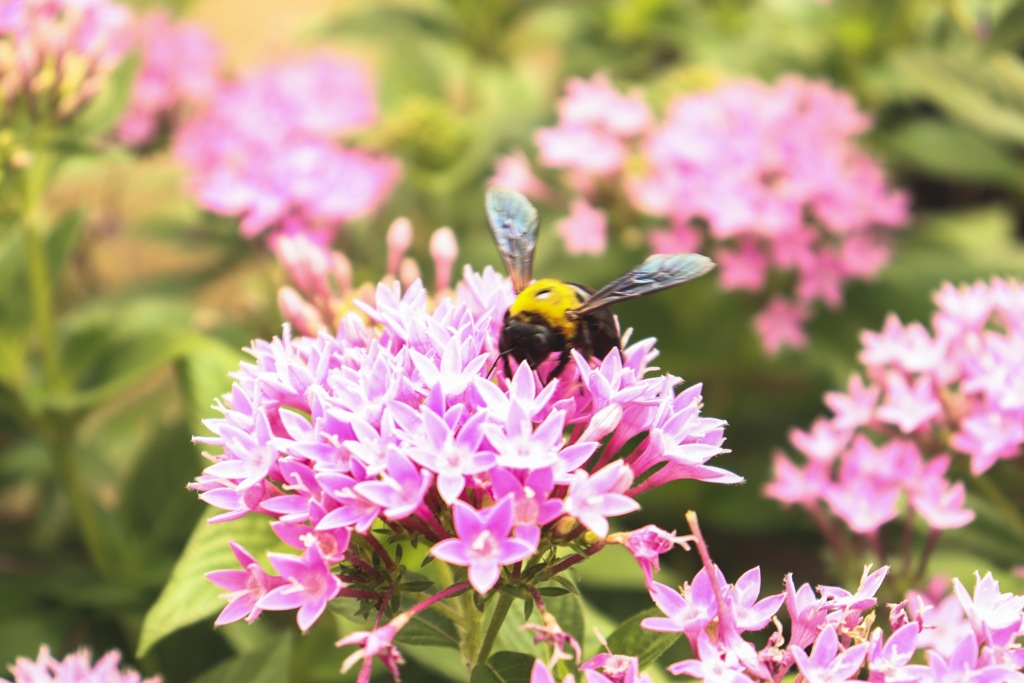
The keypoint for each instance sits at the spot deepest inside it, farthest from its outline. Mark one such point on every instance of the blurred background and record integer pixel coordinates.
(156, 292)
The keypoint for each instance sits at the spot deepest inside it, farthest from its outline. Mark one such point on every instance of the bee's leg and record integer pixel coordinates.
(563, 361)
(507, 366)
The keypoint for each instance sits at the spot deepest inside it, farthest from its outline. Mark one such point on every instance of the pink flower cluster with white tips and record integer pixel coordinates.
(967, 637)
(768, 178)
(957, 386)
(75, 668)
(179, 73)
(975, 639)
(55, 55)
(400, 422)
(265, 149)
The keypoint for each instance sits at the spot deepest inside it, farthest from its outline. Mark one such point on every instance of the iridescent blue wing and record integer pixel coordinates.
(654, 274)
(514, 224)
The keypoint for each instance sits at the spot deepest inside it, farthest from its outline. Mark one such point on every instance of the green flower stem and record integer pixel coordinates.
(56, 429)
(86, 513)
(494, 627)
(40, 285)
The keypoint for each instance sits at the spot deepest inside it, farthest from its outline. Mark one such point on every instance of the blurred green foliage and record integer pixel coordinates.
(101, 392)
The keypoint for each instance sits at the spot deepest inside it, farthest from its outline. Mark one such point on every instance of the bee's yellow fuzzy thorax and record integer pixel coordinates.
(550, 300)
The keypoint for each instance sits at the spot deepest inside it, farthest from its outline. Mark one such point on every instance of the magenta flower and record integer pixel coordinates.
(247, 586)
(613, 669)
(540, 673)
(373, 644)
(887, 659)
(77, 667)
(593, 498)
(647, 544)
(179, 73)
(483, 543)
(689, 611)
(826, 664)
(997, 618)
(963, 665)
(308, 585)
(711, 664)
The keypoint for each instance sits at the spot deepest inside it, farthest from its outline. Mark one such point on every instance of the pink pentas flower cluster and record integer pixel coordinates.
(401, 422)
(265, 150)
(55, 55)
(766, 178)
(597, 131)
(925, 395)
(179, 72)
(77, 667)
(772, 177)
(832, 635)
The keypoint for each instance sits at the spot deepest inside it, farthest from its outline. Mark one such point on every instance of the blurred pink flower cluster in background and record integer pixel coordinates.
(958, 387)
(265, 149)
(766, 178)
(58, 53)
(179, 72)
(77, 667)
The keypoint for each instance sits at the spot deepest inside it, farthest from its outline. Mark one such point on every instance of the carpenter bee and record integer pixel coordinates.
(550, 316)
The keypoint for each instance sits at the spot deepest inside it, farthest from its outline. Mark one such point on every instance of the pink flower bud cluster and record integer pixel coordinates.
(265, 149)
(179, 73)
(55, 55)
(401, 423)
(958, 387)
(976, 639)
(768, 178)
(75, 668)
(323, 290)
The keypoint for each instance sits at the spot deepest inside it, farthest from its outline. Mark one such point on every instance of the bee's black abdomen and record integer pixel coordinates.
(602, 331)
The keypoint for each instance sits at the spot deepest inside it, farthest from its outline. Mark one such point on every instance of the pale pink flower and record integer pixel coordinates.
(483, 543)
(584, 230)
(781, 324)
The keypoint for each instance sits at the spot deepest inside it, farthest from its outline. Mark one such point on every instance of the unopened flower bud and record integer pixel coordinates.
(399, 239)
(444, 249)
(408, 272)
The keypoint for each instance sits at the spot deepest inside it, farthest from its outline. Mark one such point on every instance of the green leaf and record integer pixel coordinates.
(444, 664)
(188, 596)
(952, 152)
(1008, 33)
(568, 610)
(104, 111)
(430, 629)
(267, 665)
(968, 88)
(203, 373)
(504, 667)
(154, 504)
(62, 240)
(631, 639)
